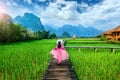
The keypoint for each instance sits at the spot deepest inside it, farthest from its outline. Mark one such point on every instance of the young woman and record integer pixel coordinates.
(59, 52)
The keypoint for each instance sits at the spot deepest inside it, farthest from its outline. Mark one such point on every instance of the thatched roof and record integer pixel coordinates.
(117, 29)
(108, 32)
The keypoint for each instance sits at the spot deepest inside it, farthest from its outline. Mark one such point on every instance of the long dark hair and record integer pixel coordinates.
(59, 44)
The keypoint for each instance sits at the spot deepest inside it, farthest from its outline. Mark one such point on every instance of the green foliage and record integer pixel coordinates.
(102, 65)
(52, 36)
(14, 32)
(5, 27)
(29, 60)
(24, 60)
(10, 32)
(45, 35)
(103, 38)
(42, 34)
(90, 65)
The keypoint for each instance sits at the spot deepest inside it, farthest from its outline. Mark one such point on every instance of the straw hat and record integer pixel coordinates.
(59, 40)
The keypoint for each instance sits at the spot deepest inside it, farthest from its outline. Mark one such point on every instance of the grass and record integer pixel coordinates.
(89, 42)
(85, 40)
(100, 65)
(24, 60)
(29, 60)
(95, 66)
(116, 45)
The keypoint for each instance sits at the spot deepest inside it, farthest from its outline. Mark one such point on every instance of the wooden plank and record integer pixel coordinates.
(63, 71)
(107, 47)
(94, 47)
(87, 42)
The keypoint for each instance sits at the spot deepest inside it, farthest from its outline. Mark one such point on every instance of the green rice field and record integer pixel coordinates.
(90, 65)
(29, 60)
(25, 60)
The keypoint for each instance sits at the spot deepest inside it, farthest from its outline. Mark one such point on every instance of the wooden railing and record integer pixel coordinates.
(87, 42)
(94, 47)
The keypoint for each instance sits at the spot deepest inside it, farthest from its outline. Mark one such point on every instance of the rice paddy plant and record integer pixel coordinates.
(85, 40)
(95, 44)
(90, 65)
(24, 60)
(102, 65)
(29, 60)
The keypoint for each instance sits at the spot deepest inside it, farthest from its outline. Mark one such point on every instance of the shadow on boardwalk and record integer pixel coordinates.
(63, 71)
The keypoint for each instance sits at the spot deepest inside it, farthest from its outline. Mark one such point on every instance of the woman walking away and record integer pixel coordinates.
(59, 52)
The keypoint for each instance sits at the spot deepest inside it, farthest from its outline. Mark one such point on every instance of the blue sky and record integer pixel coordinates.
(101, 14)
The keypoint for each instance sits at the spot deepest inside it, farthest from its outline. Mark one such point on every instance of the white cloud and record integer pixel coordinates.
(41, 0)
(12, 8)
(8, 3)
(52, 14)
(18, 11)
(11, 3)
(102, 16)
(28, 1)
(3, 8)
(106, 15)
(15, 4)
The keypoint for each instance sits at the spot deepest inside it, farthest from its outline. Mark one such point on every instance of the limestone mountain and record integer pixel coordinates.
(30, 21)
(79, 31)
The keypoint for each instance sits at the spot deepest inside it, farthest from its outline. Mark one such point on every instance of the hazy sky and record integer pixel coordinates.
(101, 14)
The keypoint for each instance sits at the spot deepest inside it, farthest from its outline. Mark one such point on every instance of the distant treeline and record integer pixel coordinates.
(10, 32)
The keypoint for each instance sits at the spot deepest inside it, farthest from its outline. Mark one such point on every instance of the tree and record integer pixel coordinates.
(10, 32)
(42, 34)
(5, 27)
(45, 34)
(52, 36)
(21, 32)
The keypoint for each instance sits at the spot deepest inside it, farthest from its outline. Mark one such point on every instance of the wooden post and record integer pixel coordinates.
(95, 49)
(112, 50)
(64, 43)
(78, 49)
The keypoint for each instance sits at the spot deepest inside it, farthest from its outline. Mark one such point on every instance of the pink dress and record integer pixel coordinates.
(60, 54)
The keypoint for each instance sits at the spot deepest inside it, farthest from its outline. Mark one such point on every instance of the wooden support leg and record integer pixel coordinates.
(78, 49)
(112, 50)
(95, 49)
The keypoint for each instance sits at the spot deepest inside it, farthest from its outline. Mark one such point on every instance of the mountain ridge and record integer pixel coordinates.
(32, 22)
(79, 31)
(29, 21)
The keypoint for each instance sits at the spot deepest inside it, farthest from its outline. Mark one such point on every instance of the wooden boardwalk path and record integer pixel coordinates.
(63, 71)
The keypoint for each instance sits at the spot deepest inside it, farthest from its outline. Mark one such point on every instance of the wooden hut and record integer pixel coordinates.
(113, 34)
